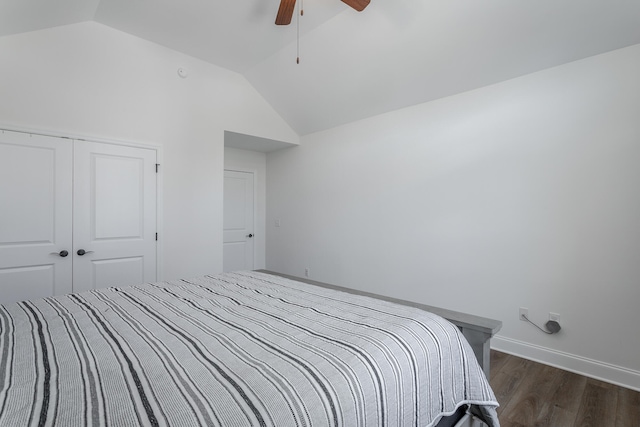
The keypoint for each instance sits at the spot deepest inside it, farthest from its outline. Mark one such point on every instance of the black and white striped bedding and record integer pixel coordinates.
(237, 349)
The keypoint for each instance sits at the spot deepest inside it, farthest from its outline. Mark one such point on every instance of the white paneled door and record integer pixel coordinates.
(238, 221)
(114, 223)
(74, 216)
(35, 216)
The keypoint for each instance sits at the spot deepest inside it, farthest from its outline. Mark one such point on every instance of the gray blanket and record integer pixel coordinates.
(237, 349)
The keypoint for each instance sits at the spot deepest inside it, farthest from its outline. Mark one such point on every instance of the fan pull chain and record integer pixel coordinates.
(300, 13)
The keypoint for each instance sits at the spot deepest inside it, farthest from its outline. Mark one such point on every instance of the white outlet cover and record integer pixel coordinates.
(523, 311)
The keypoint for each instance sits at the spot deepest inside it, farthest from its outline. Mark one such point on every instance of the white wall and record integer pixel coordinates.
(255, 162)
(524, 193)
(88, 79)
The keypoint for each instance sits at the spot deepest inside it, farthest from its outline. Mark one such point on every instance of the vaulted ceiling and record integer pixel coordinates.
(354, 65)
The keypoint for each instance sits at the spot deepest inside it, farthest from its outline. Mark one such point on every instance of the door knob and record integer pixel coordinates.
(61, 253)
(249, 235)
(82, 252)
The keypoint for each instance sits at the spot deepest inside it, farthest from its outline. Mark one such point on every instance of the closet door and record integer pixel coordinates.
(114, 216)
(35, 216)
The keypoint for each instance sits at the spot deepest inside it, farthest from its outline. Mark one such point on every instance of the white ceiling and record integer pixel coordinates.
(354, 65)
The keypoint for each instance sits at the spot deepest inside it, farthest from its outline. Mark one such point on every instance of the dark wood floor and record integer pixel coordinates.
(532, 394)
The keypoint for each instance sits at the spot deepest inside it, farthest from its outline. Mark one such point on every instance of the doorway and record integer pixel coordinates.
(239, 220)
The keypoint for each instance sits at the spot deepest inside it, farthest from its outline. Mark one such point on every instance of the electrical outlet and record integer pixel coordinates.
(306, 272)
(524, 314)
(555, 317)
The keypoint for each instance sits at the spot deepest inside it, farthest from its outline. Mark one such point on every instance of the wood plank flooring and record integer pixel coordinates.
(532, 394)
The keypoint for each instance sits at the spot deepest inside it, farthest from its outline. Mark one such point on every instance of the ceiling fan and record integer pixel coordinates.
(285, 12)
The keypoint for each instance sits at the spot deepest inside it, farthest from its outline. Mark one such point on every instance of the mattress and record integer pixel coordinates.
(235, 349)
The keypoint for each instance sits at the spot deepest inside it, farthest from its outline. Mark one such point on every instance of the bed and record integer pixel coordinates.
(235, 349)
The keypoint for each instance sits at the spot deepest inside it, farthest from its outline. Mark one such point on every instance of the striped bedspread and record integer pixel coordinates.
(237, 349)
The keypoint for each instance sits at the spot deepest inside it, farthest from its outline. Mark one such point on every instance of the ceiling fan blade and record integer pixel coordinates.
(285, 12)
(358, 5)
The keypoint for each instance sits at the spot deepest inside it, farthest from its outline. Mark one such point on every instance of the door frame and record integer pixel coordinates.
(159, 175)
(258, 237)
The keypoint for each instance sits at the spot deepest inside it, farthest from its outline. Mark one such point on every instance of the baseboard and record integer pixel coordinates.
(569, 362)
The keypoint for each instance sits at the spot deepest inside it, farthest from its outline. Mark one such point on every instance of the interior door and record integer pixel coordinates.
(115, 216)
(238, 221)
(35, 216)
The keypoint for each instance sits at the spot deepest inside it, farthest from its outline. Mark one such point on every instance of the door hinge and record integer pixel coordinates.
(156, 237)
(157, 166)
